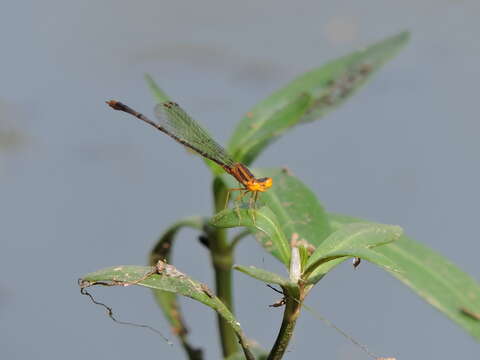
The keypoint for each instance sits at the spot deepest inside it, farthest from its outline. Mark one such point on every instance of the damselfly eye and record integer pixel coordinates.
(266, 182)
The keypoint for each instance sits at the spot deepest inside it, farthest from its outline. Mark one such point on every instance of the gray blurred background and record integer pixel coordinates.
(83, 187)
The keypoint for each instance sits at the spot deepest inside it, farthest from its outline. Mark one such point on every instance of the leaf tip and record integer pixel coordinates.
(148, 78)
(403, 35)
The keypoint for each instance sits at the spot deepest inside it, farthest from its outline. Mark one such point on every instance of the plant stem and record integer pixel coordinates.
(290, 316)
(222, 260)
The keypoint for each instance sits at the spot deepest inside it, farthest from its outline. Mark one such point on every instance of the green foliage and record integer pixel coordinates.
(166, 278)
(292, 225)
(300, 215)
(264, 275)
(323, 89)
(258, 352)
(353, 240)
(167, 300)
(431, 276)
(262, 222)
(170, 279)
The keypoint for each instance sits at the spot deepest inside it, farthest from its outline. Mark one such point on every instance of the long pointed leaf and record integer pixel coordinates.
(264, 275)
(263, 223)
(439, 282)
(352, 240)
(167, 278)
(326, 87)
(268, 130)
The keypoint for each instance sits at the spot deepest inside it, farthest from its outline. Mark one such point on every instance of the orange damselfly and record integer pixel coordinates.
(176, 123)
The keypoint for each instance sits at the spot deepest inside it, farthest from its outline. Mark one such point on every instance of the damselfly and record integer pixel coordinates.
(176, 123)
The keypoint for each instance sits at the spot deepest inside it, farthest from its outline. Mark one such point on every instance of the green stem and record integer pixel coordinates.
(290, 316)
(222, 260)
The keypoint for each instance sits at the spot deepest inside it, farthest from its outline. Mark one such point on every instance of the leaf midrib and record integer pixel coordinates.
(283, 249)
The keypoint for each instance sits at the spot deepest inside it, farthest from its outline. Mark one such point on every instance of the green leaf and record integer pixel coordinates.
(325, 88)
(263, 223)
(267, 130)
(159, 95)
(353, 240)
(299, 214)
(166, 277)
(264, 275)
(439, 282)
(168, 301)
(257, 351)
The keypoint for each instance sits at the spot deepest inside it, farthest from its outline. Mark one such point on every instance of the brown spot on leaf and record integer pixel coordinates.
(287, 171)
(207, 291)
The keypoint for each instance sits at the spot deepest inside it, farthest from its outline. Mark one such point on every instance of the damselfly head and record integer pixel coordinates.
(262, 184)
